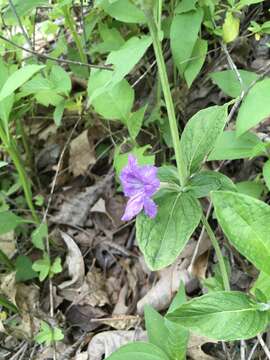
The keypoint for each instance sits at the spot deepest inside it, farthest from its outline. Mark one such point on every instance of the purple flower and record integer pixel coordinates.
(139, 184)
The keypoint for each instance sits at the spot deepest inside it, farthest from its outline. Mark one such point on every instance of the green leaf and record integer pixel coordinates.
(123, 61)
(42, 266)
(168, 174)
(202, 183)
(9, 221)
(255, 107)
(39, 236)
(121, 160)
(266, 173)
(251, 188)
(163, 238)
(231, 147)
(60, 80)
(23, 8)
(230, 27)
(222, 315)
(123, 10)
(8, 305)
(197, 60)
(24, 271)
(135, 121)
(186, 6)
(201, 133)
(18, 78)
(114, 104)
(179, 299)
(48, 334)
(59, 112)
(139, 350)
(227, 81)
(6, 104)
(168, 336)
(56, 267)
(184, 35)
(243, 3)
(245, 222)
(262, 284)
(112, 39)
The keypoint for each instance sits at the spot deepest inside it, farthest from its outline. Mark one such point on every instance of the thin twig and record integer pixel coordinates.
(253, 350)
(63, 61)
(263, 345)
(19, 352)
(243, 350)
(13, 8)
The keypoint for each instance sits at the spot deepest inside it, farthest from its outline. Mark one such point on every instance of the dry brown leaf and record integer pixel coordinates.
(162, 293)
(195, 351)
(84, 317)
(122, 322)
(8, 286)
(81, 356)
(105, 343)
(75, 210)
(99, 206)
(74, 263)
(199, 266)
(82, 154)
(7, 243)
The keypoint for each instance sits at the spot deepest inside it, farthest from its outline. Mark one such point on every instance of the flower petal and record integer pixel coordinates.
(150, 207)
(134, 207)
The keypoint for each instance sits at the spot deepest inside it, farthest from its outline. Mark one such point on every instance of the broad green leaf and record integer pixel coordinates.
(24, 271)
(202, 183)
(266, 173)
(231, 147)
(139, 350)
(227, 81)
(9, 221)
(48, 334)
(262, 284)
(222, 315)
(230, 27)
(60, 80)
(184, 35)
(123, 10)
(135, 121)
(23, 8)
(245, 222)
(163, 238)
(122, 61)
(255, 107)
(197, 60)
(168, 336)
(114, 104)
(56, 267)
(36, 84)
(39, 236)
(168, 174)
(121, 160)
(179, 299)
(200, 135)
(18, 78)
(251, 188)
(112, 39)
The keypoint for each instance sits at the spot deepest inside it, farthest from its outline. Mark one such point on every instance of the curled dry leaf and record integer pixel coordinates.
(82, 154)
(105, 343)
(195, 351)
(74, 263)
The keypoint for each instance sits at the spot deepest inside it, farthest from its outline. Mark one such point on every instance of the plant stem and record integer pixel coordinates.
(13, 152)
(215, 244)
(72, 27)
(182, 171)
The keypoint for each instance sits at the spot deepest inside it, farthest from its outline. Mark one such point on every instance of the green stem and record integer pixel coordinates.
(72, 27)
(215, 244)
(13, 152)
(182, 171)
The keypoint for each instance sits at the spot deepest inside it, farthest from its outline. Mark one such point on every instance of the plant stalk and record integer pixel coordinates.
(182, 171)
(72, 27)
(215, 244)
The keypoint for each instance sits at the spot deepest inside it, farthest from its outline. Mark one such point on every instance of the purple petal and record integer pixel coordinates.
(134, 207)
(150, 207)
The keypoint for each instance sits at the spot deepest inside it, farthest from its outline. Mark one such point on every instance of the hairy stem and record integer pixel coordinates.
(182, 171)
(215, 244)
